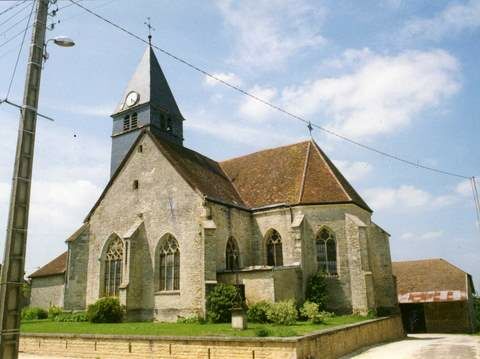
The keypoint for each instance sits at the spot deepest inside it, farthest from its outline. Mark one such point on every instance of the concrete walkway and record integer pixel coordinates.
(424, 346)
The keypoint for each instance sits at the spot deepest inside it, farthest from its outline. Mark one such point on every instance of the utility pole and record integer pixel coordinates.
(15, 244)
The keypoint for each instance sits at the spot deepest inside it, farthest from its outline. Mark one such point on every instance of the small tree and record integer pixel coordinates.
(220, 302)
(317, 290)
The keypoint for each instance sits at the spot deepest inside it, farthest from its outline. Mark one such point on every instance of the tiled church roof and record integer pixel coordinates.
(201, 172)
(56, 266)
(296, 174)
(429, 276)
(290, 175)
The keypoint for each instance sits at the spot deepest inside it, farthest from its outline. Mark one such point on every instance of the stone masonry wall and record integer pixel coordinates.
(76, 282)
(47, 291)
(381, 267)
(326, 344)
(166, 204)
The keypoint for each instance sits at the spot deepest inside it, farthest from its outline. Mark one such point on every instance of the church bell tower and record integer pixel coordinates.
(147, 102)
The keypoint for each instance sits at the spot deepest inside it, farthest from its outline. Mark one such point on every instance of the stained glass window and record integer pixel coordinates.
(326, 251)
(169, 264)
(113, 268)
(274, 249)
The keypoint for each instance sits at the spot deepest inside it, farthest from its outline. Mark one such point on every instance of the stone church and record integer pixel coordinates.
(171, 223)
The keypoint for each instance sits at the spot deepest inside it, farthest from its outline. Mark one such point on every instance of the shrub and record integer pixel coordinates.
(105, 310)
(476, 303)
(32, 313)
(257, 313)
(72, 317)
(262, 332)
(220, 302)
(310, 310)
(317, 290)
(194, 319)
(54, 311)
(284, 313)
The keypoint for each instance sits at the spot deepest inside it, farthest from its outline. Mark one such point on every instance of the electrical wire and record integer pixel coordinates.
(15, 14)
(269, 104)
(14, 36)
(12, 7)
(19, 52)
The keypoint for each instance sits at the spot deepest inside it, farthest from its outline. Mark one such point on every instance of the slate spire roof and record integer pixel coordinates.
(152, 86)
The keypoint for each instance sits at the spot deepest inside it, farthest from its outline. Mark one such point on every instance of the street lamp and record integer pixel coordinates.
(12, 274)
(62, 41)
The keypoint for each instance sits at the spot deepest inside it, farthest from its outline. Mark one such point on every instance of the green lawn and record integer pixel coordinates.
(149, 328)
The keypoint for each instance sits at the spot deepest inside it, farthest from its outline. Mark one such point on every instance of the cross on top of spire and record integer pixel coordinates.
(150, 29)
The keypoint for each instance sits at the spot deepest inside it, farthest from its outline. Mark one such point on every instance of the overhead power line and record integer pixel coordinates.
(12, 7)
(19, 52)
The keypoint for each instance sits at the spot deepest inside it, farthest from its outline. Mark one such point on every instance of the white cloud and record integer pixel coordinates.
(94, 110)
(380, 93)
(452, 20)
(237, 132)
(354, 171)
(268, 32)
(229, 77)
(422, 236)
(464, 188)
(252, 109)
(68, 175)
(406, 197)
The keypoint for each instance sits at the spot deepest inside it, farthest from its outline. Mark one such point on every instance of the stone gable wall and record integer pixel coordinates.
(47, 291)
(166, 204)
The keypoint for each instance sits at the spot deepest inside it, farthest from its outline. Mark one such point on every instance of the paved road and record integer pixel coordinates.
(425, 346)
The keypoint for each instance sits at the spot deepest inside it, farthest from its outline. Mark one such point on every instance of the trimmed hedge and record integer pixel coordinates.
(257, 313)
(283, 313)
(105, 310)
(316, 291)
(32, 313)
(220, 302)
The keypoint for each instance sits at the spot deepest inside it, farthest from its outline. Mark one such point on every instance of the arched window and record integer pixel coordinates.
(113, 268)
(169, 264)
(274, 249)
(326, 251)
(232, 255)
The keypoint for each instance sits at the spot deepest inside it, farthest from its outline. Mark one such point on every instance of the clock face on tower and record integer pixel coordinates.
(132, 98)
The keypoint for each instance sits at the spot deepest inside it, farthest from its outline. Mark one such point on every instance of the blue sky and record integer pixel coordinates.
(398, 75)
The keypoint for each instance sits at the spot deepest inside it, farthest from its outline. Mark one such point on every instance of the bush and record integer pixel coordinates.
(105, 310)
(317, 290)
(32, 313)
(262, 332)
(310, 310)
(54, 311)
(257, 313)
(194, 319)
(284, 313)
(72, 317)
(220, 302)
(476, 303)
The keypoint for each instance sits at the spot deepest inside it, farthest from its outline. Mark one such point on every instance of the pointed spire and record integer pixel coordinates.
(150, 84)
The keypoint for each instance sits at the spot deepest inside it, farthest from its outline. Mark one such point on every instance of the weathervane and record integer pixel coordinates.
(150, 28)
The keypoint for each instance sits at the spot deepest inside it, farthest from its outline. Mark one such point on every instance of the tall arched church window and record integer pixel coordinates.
(326, 251)
(232, 255)
(274, 249)
(169, 264)
(113, 268)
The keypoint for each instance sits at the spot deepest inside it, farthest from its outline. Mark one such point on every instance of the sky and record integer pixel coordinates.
(398, 75)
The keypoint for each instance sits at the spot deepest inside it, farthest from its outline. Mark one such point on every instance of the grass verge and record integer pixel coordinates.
(177, 329)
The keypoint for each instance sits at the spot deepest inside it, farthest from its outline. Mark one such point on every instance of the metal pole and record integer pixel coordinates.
(12, 277)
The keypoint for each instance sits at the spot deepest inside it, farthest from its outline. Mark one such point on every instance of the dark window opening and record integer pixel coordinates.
(135, 184)
(274, 249)
(232, 255)
(126, 123)
(169, 125)
(134, 120)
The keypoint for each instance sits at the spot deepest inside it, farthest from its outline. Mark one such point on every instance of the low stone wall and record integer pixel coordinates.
(330, 343)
